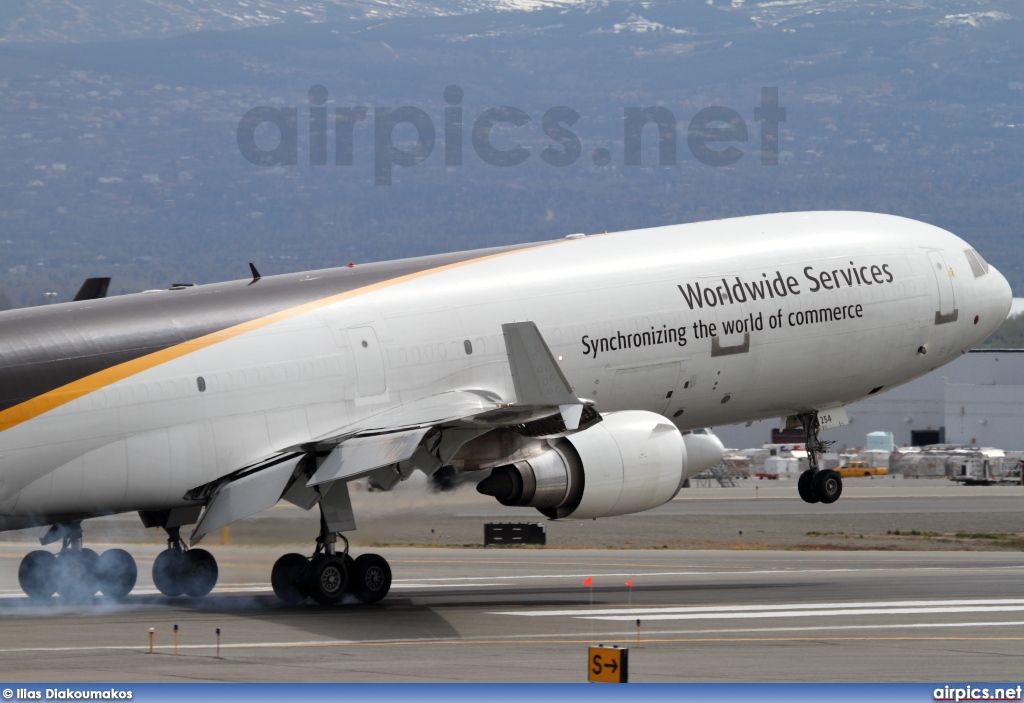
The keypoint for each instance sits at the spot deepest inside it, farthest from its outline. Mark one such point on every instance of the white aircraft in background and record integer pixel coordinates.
(568, 370)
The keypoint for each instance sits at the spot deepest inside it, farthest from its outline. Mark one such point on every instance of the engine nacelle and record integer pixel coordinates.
(632, 461)
(703, 450)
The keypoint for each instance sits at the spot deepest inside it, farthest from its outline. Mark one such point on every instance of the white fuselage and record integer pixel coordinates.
(796, 312)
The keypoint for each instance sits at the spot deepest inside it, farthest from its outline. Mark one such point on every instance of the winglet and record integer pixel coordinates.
(255, 274)
(537, 378)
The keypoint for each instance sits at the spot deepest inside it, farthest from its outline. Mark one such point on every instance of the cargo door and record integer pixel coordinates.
(947, 311)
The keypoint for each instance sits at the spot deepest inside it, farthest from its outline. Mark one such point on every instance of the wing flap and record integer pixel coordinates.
(361, 455)
(245, 496)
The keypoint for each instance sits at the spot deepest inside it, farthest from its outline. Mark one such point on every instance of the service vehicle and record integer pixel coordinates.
(852, 469)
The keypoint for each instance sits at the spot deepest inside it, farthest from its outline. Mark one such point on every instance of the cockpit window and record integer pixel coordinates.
(984, 264)
(978, 265)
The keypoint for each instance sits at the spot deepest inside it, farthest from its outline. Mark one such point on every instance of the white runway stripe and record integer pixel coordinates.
(830, 628)
(634, 612)
(395, 586)
(598, 576)
(812, 613)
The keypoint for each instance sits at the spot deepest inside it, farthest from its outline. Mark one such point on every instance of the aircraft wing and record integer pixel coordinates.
(447, 406)
(543, 395)
(423, 434)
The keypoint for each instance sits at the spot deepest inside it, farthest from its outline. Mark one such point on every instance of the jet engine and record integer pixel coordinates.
(632, 461)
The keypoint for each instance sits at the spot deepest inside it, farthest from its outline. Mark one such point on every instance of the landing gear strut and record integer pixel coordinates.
(327, 577)
(817, 485)
(179, 571)
(76, 573)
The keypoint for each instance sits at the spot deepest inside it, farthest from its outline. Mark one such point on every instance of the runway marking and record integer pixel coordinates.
(561, 638)
(541, 562)
(813, 613)
(450, 585)
(806, 628)
(639, 574)
(769, 607)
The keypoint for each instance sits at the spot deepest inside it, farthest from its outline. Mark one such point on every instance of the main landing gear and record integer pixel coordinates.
(179, 571)
(328, 577)
(76, 573)
(817, 485)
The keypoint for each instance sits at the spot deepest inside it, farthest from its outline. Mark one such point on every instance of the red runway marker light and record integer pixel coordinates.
(588, 581)
(629, 584)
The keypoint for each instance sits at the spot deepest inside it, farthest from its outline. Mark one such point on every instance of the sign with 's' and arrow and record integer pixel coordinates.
(607, 664)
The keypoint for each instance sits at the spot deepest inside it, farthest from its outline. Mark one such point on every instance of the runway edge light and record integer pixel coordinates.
(607, 664)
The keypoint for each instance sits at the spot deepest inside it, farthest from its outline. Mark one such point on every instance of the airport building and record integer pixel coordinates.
(977, 399)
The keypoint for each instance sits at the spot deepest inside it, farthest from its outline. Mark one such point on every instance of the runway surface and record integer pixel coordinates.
(523, 615)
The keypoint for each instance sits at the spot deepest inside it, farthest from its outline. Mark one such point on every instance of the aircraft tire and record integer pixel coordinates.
(116, 574)
(370, 578)
(289, 577)
(828, 486)
(805, 487)
(37, 574)
(169, 572)
(201, 573)
(77, 575)
(328, 579)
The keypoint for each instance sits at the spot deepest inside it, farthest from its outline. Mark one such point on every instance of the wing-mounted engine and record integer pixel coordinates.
(631, 462)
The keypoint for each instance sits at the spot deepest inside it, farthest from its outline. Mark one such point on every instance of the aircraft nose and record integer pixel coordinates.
(1000, 299)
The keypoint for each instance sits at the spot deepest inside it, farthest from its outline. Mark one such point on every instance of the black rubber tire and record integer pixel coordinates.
(328, 579)
(37, 574)
(289, 577)
(371, 578)
(169, 572)
(116, 574)
(805, 487)
(77, 580)
(828, 486)
(201, 573)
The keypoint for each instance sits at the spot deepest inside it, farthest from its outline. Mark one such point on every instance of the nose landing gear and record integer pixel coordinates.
(817, 485)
